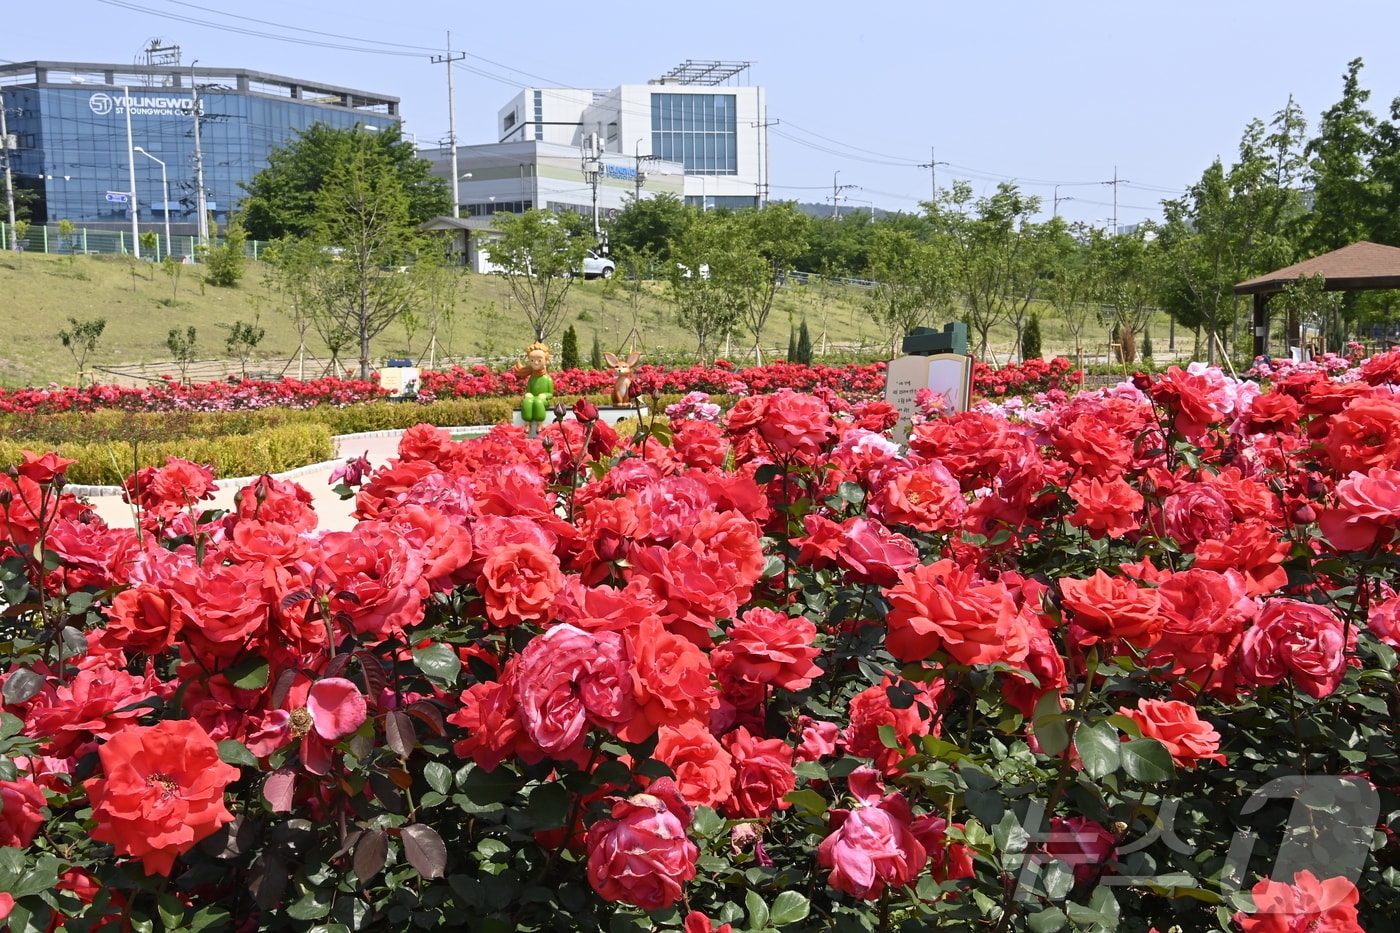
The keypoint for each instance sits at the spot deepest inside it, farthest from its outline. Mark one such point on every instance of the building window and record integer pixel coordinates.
(509, 122)
(696, 130)
(539, 114)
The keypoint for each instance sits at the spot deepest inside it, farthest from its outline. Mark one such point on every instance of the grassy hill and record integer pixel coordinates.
(141, 303)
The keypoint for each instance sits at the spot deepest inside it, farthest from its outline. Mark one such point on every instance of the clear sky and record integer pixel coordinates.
(1042, 94)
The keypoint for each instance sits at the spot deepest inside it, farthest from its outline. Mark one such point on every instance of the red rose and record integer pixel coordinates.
(20, 816)
(923, 495)
(1365, 434)
(641, 855)
(704, 770)
(1105, 507)
(1306, 904)
(770, 648)
(1177, 726)
(795, 426)
(1204, 615)
(671, 681)
(375, 579)
(1300, 640)
(872, 846)
(1105, 607)
(871, 708)
(519, 583)
(1082, 844)
(161, 791)
(762, 775)
(941, 607)
(42, 469)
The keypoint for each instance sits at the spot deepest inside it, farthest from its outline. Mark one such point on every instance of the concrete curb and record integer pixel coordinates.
(88, 492)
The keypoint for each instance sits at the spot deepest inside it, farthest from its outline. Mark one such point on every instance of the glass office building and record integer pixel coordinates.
(69, 143)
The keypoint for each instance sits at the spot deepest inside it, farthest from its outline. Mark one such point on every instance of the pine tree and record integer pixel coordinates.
(792, 346)
(595, 356)
(1147, 345)
(568, 353)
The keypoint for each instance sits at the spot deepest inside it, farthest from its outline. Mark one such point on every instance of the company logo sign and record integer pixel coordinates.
(625, 172)
(102, 104)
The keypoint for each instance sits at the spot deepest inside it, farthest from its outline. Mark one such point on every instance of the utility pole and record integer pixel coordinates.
(449, 58)
(1056, 211)
(836, 195)
(592, 172)
(763, 156)
(1115, 183)
(932, 166)
(197, 110)
(9, 183)
(641, 176)
(131, 176)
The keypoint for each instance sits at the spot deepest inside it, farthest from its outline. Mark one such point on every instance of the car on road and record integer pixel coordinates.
(596, 266)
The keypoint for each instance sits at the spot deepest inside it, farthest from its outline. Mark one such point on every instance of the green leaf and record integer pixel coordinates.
(706, 823)
(438, 661)
(248, 674)
(483, 787)
(1051, 724)
(1147, 760)
(310, 907)
(1047, 921)
(756, 910)
(807, 801)
(851, 492)
(1099, 749)
(438, 776)
(234, 752)
(788, 907)
(549, 806)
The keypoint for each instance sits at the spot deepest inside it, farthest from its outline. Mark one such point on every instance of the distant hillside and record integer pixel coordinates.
(823, 211)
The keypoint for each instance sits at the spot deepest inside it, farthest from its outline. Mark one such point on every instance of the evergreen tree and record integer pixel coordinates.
(792, 346)
(568, 353)
(1030, 338)
(595, 356)
(804, 345)
(1147, 345)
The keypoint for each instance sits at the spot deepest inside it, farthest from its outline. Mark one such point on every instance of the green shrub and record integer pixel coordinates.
(272, 450)
(1030, 338)
(568, 351)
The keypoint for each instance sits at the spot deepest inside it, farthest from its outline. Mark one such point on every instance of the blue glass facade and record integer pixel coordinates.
(696, 130)
(72, 147)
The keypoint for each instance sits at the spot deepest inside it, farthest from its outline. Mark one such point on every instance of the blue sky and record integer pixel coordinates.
(1037, 93)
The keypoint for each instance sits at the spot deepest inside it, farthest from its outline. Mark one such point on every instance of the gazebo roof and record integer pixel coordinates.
(1359, 266)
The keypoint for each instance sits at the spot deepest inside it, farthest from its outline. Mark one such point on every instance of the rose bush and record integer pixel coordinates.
(1122, 660)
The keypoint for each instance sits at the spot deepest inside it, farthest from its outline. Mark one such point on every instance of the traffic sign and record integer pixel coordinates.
(117, 197)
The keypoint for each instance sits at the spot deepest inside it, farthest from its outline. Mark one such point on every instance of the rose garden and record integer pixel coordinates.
(1119, 658)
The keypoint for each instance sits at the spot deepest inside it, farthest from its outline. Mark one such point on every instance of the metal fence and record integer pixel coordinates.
(85, 242)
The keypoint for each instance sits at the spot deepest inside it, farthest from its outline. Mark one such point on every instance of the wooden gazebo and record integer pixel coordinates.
(1357, 267)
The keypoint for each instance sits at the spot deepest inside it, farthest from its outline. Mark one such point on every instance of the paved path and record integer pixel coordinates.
(331, 510)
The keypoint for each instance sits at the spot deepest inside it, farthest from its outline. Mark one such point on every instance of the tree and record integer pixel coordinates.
(804, 345)
(224, 264)
(243, 338)
(706, 300)
(595, 355)
(1030, 338)
(774, 237)
(172, 270)
(994, 259)
(1128, 286)
(367, 271)
(67, 235)
(537, 255)
(81, 340)
(1344, 195)
(646, 228)
(1072, 284)
(568, 351)
(284, 198)
(911, 283)
(182, 348)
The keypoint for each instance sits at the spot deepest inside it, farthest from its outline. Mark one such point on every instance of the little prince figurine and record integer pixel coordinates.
(539, 389)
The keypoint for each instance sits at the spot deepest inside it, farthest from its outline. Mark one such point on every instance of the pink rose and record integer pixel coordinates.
(1302, 640)
(20, 816)
(642, 856)
(872, 846)
(568, 680)
(762, 774)
(1367, 512)
(871, 553)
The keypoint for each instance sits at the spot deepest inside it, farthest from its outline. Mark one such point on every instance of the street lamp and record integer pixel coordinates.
(165, 193)
(1058, 199)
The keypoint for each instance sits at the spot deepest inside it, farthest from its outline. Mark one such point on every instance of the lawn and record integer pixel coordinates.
(141, 303)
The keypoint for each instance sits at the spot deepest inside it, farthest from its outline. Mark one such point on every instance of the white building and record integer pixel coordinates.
(687, 133)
